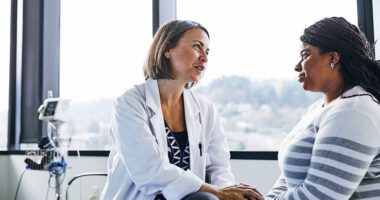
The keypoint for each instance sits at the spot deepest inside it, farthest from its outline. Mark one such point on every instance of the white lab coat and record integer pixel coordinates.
(138, 166)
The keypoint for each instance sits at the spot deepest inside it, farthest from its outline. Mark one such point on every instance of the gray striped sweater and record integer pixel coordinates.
(333, 152)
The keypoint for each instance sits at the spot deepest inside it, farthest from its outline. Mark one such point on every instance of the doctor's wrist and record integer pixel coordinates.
(211, 189)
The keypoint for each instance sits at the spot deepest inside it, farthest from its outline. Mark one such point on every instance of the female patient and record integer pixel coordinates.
(167, 138)
(333, 152)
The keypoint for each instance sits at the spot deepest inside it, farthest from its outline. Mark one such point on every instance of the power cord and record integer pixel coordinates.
(19, 183)
(48, 188)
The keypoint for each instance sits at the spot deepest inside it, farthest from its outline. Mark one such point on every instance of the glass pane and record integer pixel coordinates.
(376, 23)
(103, 46)
(254, 47)
(5, 19)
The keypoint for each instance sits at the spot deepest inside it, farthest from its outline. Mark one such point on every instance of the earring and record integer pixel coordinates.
(332, 65)
(167, 55)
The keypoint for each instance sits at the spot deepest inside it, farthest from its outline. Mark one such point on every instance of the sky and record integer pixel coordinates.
(102, 54)
(259, 39)
(104, 43)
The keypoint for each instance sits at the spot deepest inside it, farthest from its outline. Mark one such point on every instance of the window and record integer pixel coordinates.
(5, 19)
(103, 47)
(376, 25)
(254, 47)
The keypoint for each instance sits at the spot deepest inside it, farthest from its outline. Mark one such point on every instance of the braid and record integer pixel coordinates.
(358, 66)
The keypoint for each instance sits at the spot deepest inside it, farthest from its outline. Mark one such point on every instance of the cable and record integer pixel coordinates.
(59, 182)
(47, 192)
(19, 183)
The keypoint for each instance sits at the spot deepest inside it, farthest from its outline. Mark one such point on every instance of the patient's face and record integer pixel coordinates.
(314, 71)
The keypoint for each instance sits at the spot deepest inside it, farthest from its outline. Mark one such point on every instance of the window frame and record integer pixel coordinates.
(34, 67)
(365, 19)
(47, 14)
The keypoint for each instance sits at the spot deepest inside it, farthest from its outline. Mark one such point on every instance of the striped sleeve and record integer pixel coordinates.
(346, 144)
(278, 188)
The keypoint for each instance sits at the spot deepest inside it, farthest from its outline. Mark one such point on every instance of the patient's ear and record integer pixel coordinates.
(334, 57)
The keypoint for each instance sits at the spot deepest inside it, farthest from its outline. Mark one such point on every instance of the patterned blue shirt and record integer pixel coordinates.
(178, 147)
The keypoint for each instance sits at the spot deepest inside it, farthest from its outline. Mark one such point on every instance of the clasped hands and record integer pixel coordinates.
(240, 191)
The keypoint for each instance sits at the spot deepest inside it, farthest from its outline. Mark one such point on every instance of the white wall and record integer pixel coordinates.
(260, 173)
(34, 184)
(4, 161)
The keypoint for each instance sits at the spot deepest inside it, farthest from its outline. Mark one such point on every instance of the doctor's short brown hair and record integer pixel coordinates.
(157, 66)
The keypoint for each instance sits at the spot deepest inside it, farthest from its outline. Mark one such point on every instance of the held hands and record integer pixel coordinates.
(241, 191)
(236, 192)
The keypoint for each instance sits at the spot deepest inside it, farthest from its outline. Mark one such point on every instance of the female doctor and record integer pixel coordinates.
(166, 138)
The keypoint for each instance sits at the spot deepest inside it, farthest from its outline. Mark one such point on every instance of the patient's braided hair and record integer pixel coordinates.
(357, 60)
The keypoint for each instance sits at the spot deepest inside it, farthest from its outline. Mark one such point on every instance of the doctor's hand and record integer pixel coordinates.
(244, 191)
(236, 192)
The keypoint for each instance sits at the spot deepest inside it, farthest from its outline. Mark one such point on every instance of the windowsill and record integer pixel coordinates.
(235, 155)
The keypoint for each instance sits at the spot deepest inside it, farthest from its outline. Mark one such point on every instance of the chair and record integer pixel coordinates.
(80, 176)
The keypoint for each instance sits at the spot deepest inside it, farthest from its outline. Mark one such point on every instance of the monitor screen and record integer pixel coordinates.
(50, 108)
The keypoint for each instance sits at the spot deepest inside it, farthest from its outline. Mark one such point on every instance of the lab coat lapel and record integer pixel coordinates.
(156, 119)
(193, 125)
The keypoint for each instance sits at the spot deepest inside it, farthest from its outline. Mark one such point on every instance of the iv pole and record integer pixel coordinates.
(53, 111)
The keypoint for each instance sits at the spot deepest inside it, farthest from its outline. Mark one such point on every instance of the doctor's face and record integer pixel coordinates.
(188, 59)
